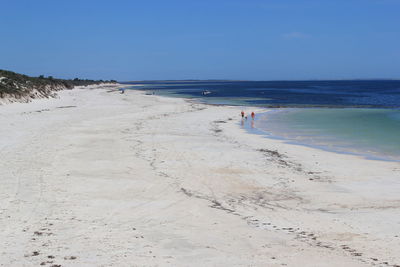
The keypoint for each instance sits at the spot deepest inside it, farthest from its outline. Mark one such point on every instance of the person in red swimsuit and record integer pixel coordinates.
(253, 115)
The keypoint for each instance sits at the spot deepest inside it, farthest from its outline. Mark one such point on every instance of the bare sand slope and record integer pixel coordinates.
(97, 178)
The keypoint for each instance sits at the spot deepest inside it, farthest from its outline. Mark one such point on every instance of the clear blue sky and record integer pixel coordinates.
(202, 39)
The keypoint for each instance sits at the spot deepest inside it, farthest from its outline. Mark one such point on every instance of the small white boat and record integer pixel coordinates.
(206, 92)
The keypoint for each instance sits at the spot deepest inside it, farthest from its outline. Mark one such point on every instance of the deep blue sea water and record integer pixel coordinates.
(360, 116)
(381, 93)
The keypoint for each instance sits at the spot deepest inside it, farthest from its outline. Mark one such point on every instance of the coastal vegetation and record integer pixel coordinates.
(15, 85)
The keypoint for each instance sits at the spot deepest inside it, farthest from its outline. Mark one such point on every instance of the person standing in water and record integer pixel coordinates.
(253, 115)
(242, 113)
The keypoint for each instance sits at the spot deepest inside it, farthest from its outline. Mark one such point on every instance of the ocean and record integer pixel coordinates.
(359, 117)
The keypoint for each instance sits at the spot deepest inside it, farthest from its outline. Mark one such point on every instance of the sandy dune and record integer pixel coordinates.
(98, 178)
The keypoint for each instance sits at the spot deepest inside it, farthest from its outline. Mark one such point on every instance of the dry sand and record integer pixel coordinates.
(99, 178)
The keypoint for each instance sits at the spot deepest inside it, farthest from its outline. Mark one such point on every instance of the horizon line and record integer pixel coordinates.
(278, 80)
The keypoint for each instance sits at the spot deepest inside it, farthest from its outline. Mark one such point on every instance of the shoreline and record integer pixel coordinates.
(96, 177)
(264, 110)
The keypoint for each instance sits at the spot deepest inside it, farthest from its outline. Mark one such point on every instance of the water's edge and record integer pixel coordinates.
(254, 128)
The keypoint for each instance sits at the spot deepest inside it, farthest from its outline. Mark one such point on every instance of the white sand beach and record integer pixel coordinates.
(99, 178)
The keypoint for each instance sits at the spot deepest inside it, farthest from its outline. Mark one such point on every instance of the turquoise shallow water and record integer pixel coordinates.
(374, 133)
